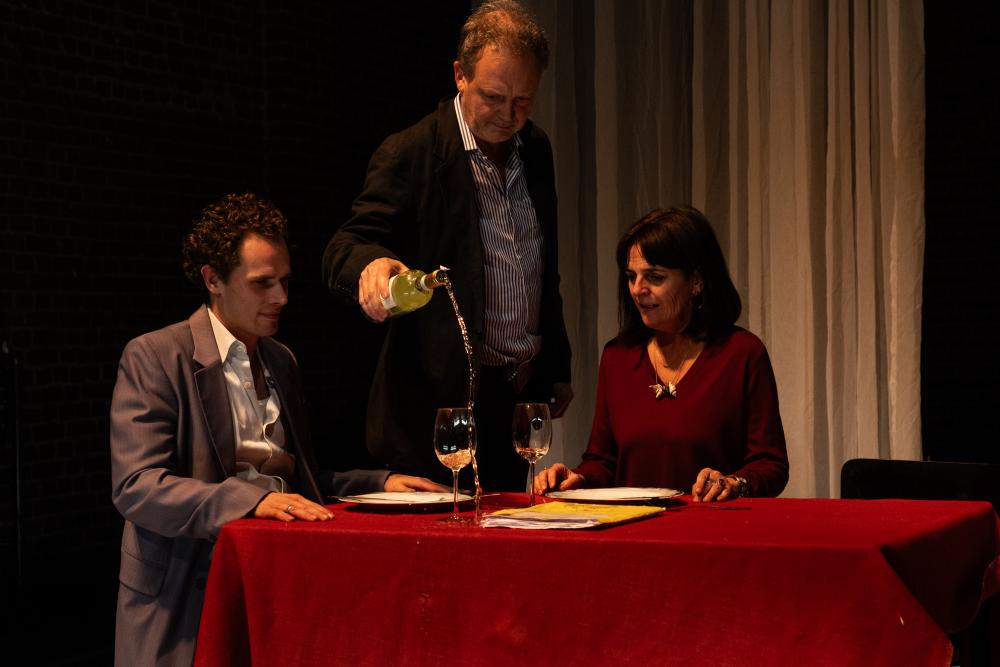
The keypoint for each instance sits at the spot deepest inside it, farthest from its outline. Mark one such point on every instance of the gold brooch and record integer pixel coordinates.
(660, 390)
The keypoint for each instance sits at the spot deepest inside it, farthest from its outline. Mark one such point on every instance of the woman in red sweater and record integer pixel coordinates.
(684, 397)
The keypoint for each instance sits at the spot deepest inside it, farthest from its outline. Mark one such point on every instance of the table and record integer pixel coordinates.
(783, 581)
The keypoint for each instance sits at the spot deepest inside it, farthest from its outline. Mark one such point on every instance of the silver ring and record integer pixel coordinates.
(288, 510)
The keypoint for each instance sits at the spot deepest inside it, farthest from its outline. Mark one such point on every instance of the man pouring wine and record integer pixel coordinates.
(471, 187)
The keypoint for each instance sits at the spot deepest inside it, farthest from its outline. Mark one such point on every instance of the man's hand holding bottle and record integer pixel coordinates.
(405, 290)
(373, 286)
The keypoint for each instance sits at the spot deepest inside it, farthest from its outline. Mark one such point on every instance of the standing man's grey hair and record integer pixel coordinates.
(504, 24)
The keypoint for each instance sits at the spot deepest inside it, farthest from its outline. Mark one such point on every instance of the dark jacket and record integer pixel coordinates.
(419, 206)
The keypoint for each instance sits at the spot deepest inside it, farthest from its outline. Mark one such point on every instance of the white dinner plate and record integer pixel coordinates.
(404, 498)
(616, 494)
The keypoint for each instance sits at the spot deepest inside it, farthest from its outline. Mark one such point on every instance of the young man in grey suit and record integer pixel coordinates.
(208, 425)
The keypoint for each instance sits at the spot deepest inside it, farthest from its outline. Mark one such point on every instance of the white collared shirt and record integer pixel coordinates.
(260, 436)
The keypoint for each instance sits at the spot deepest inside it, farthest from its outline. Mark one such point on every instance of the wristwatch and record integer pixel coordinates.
(744, 489)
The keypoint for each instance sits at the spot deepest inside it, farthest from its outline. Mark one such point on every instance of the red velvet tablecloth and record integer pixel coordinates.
(817, 582)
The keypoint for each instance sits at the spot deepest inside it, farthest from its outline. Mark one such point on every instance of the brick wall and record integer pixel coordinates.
(120, 120)
(959, 360)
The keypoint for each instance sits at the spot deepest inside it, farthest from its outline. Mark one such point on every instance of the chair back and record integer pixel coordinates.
(920, 480)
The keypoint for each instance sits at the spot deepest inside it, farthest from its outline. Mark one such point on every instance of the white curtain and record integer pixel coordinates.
(798, 128)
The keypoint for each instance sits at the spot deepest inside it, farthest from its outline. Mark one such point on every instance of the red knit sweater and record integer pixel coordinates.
(725, 416)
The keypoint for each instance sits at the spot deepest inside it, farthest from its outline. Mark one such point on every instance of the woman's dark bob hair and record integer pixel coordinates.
(679, 238)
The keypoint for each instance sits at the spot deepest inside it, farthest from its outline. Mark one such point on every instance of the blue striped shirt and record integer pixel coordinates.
(512, 253)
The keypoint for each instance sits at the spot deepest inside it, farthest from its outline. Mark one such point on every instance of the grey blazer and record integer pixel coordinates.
(172, 466)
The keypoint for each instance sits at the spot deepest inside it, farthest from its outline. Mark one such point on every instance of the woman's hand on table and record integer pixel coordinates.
(397, 482)
(557, 478)
(289, 507)
(713, 485)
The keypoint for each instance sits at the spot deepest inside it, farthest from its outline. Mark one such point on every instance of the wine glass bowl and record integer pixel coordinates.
(454, 444)
(531, 430)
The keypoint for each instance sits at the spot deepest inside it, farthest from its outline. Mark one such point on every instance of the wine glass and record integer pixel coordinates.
(454, 444)
(532, 431)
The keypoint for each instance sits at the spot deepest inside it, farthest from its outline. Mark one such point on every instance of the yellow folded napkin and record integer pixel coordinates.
(567, 516)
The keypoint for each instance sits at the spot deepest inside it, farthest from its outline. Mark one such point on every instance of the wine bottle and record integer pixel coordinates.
(412, 289)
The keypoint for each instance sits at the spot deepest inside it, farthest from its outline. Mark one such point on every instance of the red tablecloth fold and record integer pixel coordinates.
(819, 582)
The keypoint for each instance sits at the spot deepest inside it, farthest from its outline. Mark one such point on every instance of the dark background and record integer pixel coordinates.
(120, 121)
(960, 359)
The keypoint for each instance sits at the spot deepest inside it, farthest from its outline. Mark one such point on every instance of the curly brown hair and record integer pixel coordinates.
(217, 234)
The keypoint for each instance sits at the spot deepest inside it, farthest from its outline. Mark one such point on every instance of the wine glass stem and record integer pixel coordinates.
(454, 492)
(531, 482)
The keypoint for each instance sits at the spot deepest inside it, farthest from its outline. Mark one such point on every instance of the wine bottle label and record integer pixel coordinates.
(387, 301)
